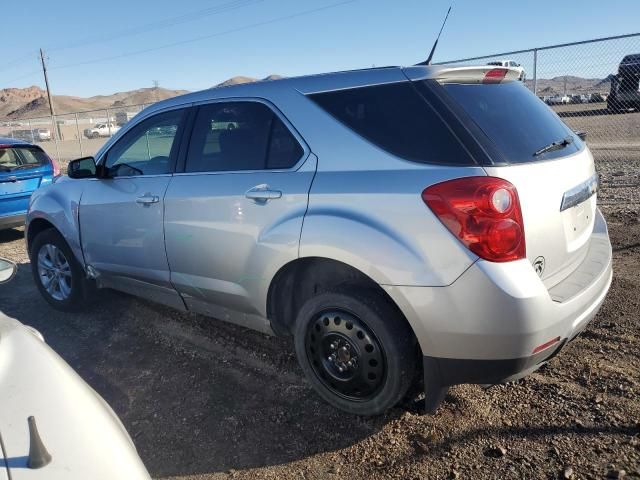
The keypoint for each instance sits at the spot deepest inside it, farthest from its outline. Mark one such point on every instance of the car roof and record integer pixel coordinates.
(14, 141)
(310, 84)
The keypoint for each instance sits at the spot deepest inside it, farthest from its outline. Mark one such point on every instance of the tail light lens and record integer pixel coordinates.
(495, 75)
(56, 167)
(484, 213)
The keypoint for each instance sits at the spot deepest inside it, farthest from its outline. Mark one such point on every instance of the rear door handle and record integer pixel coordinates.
(262, 193)
(147, 199)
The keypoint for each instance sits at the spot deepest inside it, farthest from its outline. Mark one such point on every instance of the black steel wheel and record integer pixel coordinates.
(345, 355)
(356, 350)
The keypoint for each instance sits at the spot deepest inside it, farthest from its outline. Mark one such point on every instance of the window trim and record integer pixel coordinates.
(180, 138)
(182, 160)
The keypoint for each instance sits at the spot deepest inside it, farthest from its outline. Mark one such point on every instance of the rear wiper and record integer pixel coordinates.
(560, 144)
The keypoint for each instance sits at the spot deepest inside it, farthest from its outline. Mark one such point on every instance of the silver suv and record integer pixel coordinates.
(403, 224)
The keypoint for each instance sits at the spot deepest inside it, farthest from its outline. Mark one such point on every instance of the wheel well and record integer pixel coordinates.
(35, 227)
(301, 279)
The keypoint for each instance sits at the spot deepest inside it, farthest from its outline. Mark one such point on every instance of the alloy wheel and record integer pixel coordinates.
(54, 271)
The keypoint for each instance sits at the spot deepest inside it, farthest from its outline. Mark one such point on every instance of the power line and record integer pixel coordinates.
(167, 22)
(205, 37)
(23, 59)
(26, 75)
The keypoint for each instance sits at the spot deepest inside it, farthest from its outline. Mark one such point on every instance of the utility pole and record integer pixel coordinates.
(156, 84)
(54, 125)
(46, 82)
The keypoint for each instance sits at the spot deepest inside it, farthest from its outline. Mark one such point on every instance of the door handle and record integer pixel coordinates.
(262, 194)
(147, 199)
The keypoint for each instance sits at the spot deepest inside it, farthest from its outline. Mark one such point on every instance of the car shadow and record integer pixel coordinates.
(11, 235)
(196, 395)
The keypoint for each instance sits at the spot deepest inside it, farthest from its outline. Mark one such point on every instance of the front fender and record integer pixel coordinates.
(58, 204)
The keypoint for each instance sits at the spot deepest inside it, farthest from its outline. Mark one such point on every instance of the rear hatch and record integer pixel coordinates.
(529, 146)
(22, 169)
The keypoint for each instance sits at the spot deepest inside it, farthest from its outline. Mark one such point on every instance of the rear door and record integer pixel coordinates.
(549, 165)
(234, 216)
(21, 172)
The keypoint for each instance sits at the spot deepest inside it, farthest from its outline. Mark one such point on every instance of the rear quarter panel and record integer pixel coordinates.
(366, 210)
(377, 222)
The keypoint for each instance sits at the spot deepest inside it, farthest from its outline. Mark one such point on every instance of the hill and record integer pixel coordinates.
(570, 85)
(31, 102)
(240, 79)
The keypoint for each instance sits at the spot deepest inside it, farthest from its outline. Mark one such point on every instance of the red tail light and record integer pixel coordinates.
(484, 213)
(495, 75)
(56, 167)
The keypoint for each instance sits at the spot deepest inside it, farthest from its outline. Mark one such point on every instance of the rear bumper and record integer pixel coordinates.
(488, 325)
(12, 221)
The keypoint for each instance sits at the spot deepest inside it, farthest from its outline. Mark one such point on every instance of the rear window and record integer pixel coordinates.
(20, 158)
(396, 118)
(514, 119)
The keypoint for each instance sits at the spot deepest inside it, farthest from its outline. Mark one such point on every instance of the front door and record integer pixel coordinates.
(121, 216)
(235, 214)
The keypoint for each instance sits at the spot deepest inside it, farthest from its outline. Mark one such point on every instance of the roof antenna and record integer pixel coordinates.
(38, 454)
(433, 49)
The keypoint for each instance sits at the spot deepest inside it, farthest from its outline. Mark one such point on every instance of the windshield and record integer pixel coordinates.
(19, 158)
(515, 120)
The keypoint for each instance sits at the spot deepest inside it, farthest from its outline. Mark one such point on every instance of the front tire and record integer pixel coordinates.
(356, 350)
(57, 273)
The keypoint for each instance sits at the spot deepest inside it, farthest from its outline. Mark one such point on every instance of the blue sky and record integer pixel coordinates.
(90, 44)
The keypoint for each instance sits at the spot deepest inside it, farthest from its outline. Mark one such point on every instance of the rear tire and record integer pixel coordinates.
(356, 350)
(57, 273)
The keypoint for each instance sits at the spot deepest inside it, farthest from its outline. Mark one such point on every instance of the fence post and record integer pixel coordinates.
(56, 134)
(33, 140)
(535, 71)
(79, 136)
(109, 121)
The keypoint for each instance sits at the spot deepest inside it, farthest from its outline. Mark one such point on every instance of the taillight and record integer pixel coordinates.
(56, 167)
(483, 212)
(495, 75)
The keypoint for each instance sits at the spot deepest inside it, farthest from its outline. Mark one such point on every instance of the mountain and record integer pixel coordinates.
(12, 98)
(240, 79)
(31, 102)
(571, 85)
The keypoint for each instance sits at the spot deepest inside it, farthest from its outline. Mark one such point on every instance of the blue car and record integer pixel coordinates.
(24, 167)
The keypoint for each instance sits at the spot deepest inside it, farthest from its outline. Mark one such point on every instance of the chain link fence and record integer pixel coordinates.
(71, 135)
(594, 86)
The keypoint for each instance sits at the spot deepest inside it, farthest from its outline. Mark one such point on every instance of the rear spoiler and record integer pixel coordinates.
(472, 74)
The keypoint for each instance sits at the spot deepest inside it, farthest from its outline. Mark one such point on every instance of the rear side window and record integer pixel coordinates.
(20, 158)
(514, 119)
(396, 118)
(237, 136)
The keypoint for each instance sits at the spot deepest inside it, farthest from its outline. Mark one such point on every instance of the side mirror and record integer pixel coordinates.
(7, 270)
(82, 168)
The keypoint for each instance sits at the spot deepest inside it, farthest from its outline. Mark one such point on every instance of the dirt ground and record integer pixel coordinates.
(207, 400)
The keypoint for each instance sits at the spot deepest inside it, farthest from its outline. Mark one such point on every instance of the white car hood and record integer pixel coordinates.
(84, 437)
